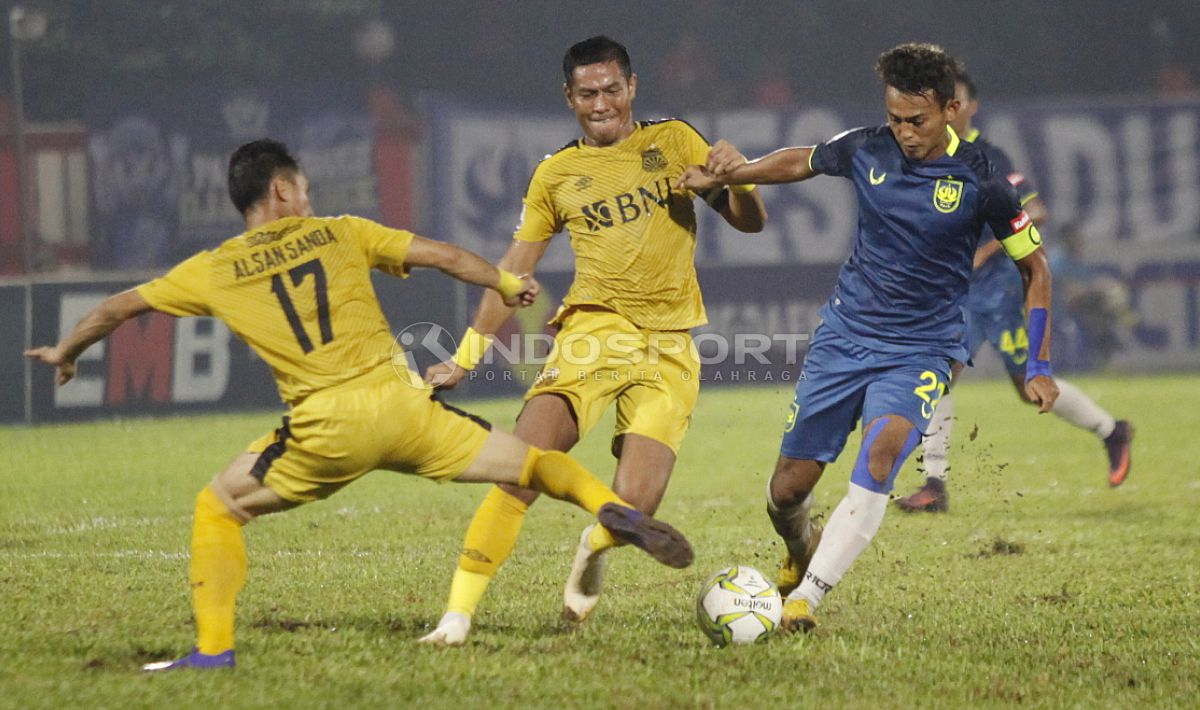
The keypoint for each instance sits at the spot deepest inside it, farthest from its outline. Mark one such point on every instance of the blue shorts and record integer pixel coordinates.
(1005, 331)
(842, 382)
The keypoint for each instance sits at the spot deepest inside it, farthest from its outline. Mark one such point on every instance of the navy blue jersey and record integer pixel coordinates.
(996, 285)
(904, 287)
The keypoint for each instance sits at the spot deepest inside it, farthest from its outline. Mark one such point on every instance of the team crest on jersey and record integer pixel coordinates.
(653, 160)
(947, 194)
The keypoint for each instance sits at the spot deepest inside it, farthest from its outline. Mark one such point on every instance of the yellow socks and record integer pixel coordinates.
(217, 572)
(562, 477)
(599, 539)
(490, 540)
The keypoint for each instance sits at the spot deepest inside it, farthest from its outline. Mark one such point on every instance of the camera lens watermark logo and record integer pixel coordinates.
(420, 346)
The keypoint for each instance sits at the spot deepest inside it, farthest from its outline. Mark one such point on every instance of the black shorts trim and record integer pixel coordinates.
(463, 413)
(272, 452)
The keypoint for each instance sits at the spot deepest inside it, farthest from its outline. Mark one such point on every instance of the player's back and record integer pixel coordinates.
(298, 291)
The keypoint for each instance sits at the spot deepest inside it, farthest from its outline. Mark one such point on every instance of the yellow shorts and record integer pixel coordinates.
(377, 420)
(599, 356)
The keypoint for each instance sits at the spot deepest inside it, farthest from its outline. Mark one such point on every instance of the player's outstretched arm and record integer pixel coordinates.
(474, 269)
(522, 257)
(96, 325)
(783, 165)
(1039, 382)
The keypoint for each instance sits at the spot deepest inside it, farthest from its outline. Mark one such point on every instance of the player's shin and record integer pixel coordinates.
(217, 571)
(1077, 408)
(855, 520)
(849, 531)
(936, 455)
(560, 476)
(799, 534)
(490, 539)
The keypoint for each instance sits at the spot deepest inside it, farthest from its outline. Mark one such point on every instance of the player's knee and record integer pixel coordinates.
(525, 495)
(886, 444)
(793, 480)
(214, 499)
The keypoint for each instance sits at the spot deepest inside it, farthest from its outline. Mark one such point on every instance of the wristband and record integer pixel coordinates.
(1037, 335)
(742, 189)
(510, 285)
(1034, 368)
(472, 348)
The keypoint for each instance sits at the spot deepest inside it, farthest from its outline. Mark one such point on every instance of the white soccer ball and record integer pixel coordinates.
(738, 605)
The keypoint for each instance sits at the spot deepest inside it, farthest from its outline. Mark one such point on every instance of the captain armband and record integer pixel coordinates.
(1025, 238)
(472, 349)
(1035, 366)
(742, 189)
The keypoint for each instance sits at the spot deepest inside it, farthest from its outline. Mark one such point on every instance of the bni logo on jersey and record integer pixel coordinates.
(947, 194)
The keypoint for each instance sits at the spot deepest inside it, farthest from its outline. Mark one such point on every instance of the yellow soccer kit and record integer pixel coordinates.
(634, 239)
(298, 291)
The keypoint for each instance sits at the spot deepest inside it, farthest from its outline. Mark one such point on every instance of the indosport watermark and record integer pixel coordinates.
(653, 355)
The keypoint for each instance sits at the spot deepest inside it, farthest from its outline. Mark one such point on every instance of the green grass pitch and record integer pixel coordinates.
(1041, 586)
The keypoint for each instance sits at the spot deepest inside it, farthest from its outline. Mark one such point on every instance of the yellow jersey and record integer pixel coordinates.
(298, 291)
(634, 237)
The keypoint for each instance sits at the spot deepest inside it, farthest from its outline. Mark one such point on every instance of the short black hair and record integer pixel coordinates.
(595, 50)
(918, 69)
(253, 166)
(961, 76)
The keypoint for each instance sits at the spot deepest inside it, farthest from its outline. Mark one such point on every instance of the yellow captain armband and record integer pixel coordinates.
(472, 348)
(742, 189)
(1024, 240)
(510, 285)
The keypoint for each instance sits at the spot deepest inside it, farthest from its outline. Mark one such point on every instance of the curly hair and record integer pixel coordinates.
(919, 69)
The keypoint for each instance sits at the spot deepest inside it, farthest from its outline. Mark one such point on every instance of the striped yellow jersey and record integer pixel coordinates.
(634, 237)
(298, 291)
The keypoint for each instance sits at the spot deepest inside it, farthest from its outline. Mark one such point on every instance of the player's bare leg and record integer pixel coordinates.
(789, 502)
(218, 562)
(887, 441)
(644, 468)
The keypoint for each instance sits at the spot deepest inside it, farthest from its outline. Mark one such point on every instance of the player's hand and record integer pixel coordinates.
(697, 179)
(527, 295)
(444, 375)
(53, 356)
(1042, 391)
(723, 159)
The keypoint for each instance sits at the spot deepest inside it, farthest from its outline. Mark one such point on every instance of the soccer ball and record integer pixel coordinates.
(738, 605)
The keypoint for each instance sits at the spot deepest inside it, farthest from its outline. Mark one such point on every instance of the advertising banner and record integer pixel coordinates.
(1117, 172)
(159, 175)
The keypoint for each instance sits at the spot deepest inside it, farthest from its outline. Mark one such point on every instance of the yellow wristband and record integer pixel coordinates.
(472, 348)
(742, 189)
(510, 284)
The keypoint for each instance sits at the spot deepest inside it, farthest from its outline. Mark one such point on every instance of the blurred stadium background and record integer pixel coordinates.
(117, 118)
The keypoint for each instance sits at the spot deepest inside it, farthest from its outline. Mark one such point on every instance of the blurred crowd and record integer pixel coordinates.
(689, 54)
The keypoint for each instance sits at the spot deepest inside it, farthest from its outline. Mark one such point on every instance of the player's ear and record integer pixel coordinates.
(632, 86)
(567, 95)
(952, 108)
(281, 188)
